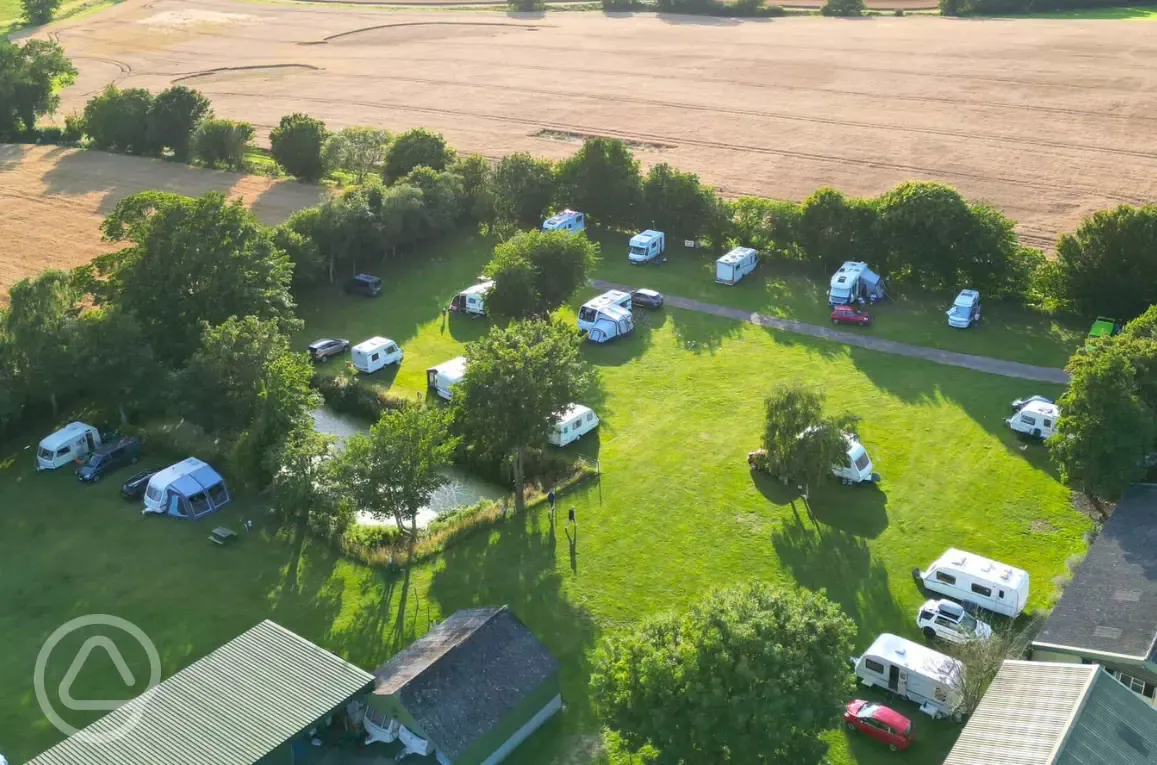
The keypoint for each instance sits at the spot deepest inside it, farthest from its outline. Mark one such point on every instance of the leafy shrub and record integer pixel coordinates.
(525, 6)
(699, 7)
(296, 145)
(345, 395)
(621, 5)
(222, 143)
(73, 128)
(50, 135)
(898, 12)
(117, 120)
(416, 148)
(40, 11)
(774, 10)
(173, 119)
(843, 8)
(744, 8)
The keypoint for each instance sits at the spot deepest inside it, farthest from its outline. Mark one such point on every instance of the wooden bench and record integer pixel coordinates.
(222, 535)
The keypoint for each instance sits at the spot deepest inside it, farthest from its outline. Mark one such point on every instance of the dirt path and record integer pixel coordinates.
(968, 361)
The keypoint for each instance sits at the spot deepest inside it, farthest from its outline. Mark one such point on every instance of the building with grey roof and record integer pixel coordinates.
(1043, 713)
(469, 691)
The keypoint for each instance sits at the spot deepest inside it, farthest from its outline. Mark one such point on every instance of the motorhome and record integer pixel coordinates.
(736, 264)
(72, 442)
(854, 282)
(914, 672)
(443, 377)
(567, 220)
(647, 247)
(971, 578)
(573, 424)
(1037, 418)
(965, 310)
(472, 300)
(371, 355)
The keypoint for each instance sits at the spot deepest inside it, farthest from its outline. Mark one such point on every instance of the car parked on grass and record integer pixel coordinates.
(846, 314)
(320, 350)
(947, 620)
(109, 457)
(879, 722)
(364, 284)
(134, 488)
(646, 298)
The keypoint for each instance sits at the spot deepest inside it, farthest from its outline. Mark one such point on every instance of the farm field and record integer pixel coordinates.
(1047, 119)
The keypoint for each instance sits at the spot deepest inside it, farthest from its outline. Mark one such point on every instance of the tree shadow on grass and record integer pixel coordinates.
(860, 511)
(702, 333)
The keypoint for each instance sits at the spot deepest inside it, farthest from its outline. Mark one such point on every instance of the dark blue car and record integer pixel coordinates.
(109, 457)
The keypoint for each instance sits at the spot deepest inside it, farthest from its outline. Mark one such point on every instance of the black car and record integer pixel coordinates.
(647, 298)
(134, 488)
(112, 455)
(364, 284)
(320, 350)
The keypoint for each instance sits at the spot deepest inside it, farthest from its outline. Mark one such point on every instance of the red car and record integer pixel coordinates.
(879, 722)
(846, 314)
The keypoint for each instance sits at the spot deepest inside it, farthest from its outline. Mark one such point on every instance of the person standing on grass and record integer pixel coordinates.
(550, 498)
(570, 518)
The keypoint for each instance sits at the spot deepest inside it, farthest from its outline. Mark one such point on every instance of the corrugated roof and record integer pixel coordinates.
(1115, 727)
(230, 708)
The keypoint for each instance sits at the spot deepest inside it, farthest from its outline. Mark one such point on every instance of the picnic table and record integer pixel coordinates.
(222, 535)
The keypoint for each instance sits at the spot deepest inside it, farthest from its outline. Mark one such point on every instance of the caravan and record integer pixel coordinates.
(371, 355)
(972, 579)
(735, 265)
(70, 443)
(647, 246)
(855, 283)
(574, 423)
(472, 300)
(607, 316)
(568, 220)
(1037, 418)
(188, 489)
(858, 467)
(445, 376)
(913, 671)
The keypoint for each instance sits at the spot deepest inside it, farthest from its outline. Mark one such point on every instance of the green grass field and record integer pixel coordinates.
(676, 512)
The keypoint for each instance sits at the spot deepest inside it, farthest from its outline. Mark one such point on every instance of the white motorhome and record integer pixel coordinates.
(1037, 418)
(965, 310)
(647, 246)
(73, 441)
(970, 578)
(371, 355)
(736, 264)
(446, 375)
(472, 300)
(913, 671)
(573, 424)
(567, 220)
(854, 282)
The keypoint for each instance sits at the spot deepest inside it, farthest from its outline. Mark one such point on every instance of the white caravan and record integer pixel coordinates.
(965, 310)
(472, 300)
(736, 264)
(371, 355)
(446, 375)
(1038, 418)
(574, 423)
(647, 246)
(913, 671)
(858, 468)
(971, 578)
(607, 316)
(567, 220)
(854, 282)
(73, 441)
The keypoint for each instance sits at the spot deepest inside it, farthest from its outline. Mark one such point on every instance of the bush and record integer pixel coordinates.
(525, 6)
(296, 145)
(774, 10)
(898, 12)
(222, 143)
(118, 120)
(173, 119)
(416, 148)
(343, 394)
(744, 8)
(50, 135)
(40, 11)
(73, 128)
(621, 5)
(843, 8)
(698, 7)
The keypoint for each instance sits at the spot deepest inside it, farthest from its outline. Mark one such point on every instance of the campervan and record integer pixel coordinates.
(970, 578)
(855, 283)
(73, 441)
(965, 310)
(736, 264)
(371, 355)
(913, 671)
(445, 376)
(574, 423)
(472, 300)
(188, 489)
(647, 246)
(1037, 418)
(568, 220)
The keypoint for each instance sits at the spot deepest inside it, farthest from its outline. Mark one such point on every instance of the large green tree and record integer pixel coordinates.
(442, 195)
(557, 262)
(752, 674)
(41, 324)
(30, 77)
(477, 180)
(304, 490)
(675, 203)
(120, 371)
(523, 189)
(416, 148)
(359, 151)
(118, 120)
(190, 262)
(40, 11)
(519, 379)
(174, 117)
(800, 444)
(602, 180)
(832, 229)
(296, 145)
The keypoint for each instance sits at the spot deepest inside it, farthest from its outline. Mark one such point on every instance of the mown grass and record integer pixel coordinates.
(675, 513)
(12, 12)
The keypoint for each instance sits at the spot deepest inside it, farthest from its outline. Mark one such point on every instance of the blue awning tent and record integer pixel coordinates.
(189, 489)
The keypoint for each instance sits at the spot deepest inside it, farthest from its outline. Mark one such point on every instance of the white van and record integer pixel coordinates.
(472, 300)
(913, 671)
(1037, 418)
(965, 310)
(371, 355)
(971, 578)
(445, 376)
(73, 441)
(568, 220)
(735, 265)
(573, 424)
(647, 246)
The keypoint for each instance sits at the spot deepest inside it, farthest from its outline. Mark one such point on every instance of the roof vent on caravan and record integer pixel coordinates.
(958, 560)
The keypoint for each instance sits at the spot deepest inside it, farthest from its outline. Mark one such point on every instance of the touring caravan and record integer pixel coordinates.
(73, 441)
(855, 283)
(371, 355)
(965, 310)
(736, 264)
(568, 220)
(913, 671)
(1037, 418)
(187, 489)
(446, 375)
(588, 313)
(858, 468)
(971, 578)
(607, 316)
(472, 300)
(573, 424)
(647, 247)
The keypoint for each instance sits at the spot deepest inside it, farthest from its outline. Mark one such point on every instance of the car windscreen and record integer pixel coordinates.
(968, 622)
(840, 292)
(867, 711)
(961, 311)
(636, 250)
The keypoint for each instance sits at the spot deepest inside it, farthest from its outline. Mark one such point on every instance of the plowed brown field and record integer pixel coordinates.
(1049, 120)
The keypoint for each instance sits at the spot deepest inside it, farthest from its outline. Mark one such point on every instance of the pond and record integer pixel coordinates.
(462, 488)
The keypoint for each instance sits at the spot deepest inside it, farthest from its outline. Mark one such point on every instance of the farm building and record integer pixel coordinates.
(468, 692)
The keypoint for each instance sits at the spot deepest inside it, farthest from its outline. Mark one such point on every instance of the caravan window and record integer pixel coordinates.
(374, 357)
(982, 590)
(862, 461)
(1048, 423)
(63, 452)
(1028, 420)
(875, 666)
(590, 416)
(391, 348)
(587, 314)
(946, 578)
(563, 429)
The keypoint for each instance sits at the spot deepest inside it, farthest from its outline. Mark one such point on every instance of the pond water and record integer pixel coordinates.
(462, 488)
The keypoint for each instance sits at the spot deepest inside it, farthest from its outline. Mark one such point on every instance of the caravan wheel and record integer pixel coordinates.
(929, 633)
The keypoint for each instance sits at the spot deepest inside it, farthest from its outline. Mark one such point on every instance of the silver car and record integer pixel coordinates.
(947, 620)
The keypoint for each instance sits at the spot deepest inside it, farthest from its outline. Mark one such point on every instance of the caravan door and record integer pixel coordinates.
(894, 678)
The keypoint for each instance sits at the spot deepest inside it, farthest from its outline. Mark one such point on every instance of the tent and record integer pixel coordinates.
(189, 489)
